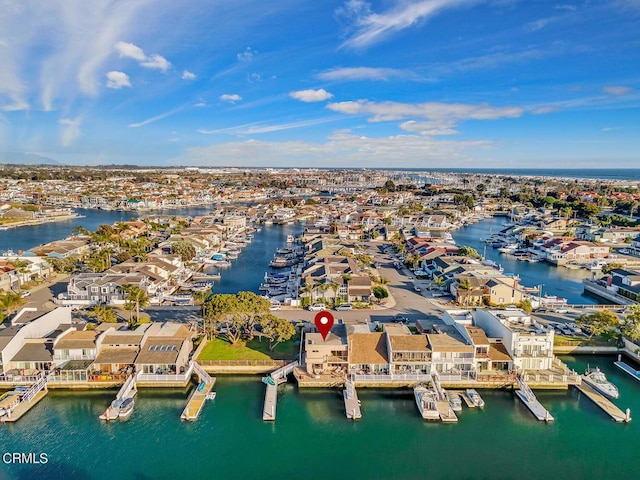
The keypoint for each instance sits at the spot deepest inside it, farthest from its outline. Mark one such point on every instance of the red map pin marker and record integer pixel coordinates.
(324, 322)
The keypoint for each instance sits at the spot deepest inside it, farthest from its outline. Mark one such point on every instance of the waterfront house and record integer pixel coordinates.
(28, 348)
(165, 349)
(408, 353)
(117, 349)
(330, 355)
(627, 283)
(75, 345)
(530, 346)
(62, 249)
(368, 353)
(95, 288)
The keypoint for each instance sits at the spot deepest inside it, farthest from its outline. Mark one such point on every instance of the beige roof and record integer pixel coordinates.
(368, 348)
(393, 329)
(129, 339)
(117, 355)
(478, 337)
(159, 351)
(498, 353)
(77, 339)
(443, 342)
(408, 343)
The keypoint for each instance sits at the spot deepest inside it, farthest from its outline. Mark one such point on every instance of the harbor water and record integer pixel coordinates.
(312, 439)
(556, 281)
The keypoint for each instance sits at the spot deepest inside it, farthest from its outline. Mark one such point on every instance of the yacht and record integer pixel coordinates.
(475, 398)
(455, 402)
(598, 380)
(126, 408)
(426, 402)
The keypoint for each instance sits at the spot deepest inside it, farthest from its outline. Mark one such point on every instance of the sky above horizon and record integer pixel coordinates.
(392, 83)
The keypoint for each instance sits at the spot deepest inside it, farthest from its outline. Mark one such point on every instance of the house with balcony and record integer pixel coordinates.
(117, 351)
(27, 349)
(529, 345)
(164, 351)
(75, 345)
(95, 288)
(368, 353)
(408, 353)
(323, 356)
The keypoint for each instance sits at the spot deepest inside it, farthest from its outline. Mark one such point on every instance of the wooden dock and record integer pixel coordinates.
(463, 394)
(628, 369)
(23, 407)
(605, 404)
(199, 395)
(447, 415)
(531, 402)
(351, 402)
(271, 394)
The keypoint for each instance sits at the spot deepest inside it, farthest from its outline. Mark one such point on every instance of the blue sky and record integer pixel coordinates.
(392, 83)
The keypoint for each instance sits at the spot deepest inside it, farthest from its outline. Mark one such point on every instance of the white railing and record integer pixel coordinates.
(395, 377)
(151, 377)
(12, 379)
(74, 357)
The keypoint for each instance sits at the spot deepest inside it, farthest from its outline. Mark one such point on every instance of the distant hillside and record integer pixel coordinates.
(19, 158)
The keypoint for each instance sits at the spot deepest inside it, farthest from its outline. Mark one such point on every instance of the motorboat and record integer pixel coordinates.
(455, 402)
(426, 402)
(475, 398)
(126, 408)
(113, 411)
(598, 380)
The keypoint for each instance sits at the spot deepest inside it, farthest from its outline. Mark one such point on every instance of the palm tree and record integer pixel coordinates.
(308, 289)
(138, 296)
(104, 314)
(11, 301)
(465, 286)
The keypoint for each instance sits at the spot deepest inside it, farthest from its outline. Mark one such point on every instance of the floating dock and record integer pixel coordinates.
(28, 400)
(271, 395)
(128, 390)
(351, 402)
(531, 402)
(447, 415)
(628, 369)
(605, 404)
(199, 395)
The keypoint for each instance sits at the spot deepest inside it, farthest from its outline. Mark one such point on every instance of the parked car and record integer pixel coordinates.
(400, 318)
(274, 307)
(317, 307)
(25, 294)
(417, 288)
(344, 307)
(561, 310)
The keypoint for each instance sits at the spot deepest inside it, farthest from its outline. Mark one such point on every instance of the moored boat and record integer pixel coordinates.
(475, 398)
(455, 402)
(596, 379)
(126, 408)
(426, 402)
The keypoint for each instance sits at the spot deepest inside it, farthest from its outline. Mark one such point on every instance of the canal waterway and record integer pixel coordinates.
(556, 281)
(312, 439)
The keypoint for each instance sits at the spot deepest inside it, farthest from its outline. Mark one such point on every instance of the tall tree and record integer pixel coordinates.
(598, 323)
(138, 296)
(276, 329)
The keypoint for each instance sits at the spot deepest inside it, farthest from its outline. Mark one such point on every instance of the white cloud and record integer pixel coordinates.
(426, 128)
(370, 28)
(187, 75)
(617, 90)
(342, 148)
(365, 73)
(438, 116)
(247, 55)
(154, 119)
(568, 8)
(129, 50)
(117, 80)
(70, 130)
(309, 96)
(257, 128)
(154, 61)
(230, 97)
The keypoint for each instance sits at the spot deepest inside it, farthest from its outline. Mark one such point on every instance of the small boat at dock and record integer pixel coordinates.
(126, 408)
(475, 398)
(596, 379)
(426, 402)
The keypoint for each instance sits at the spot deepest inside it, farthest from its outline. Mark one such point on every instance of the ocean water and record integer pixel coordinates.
(311, 437)
(624, 174)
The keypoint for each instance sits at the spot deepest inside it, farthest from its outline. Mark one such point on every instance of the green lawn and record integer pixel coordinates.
(596, 340)
(220, 349)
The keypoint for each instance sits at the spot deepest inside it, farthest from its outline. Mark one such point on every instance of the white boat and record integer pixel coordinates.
(126, 408)
(113, 411)
(598, 380)
(455, 402)
(210, 396)
(291, 238)
(426, 402)
(475, 398)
